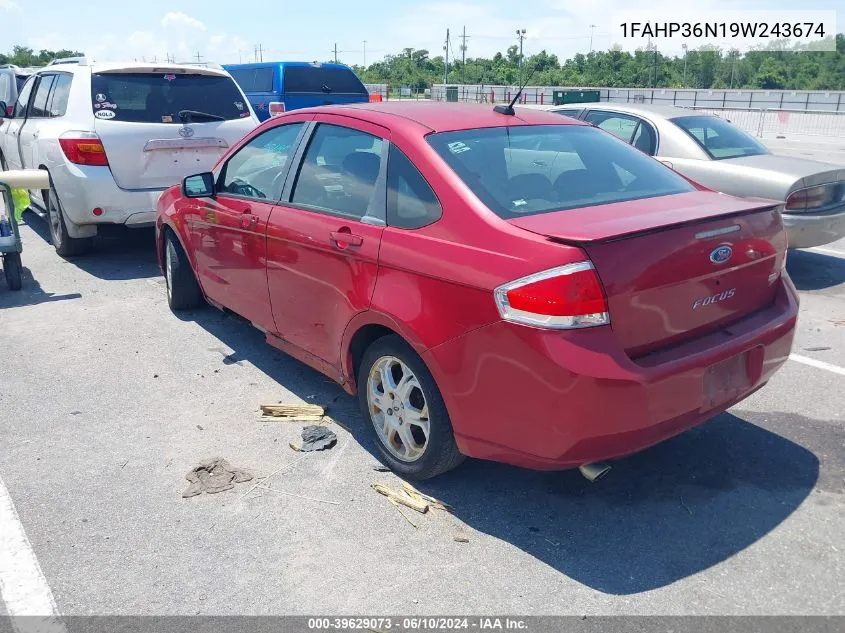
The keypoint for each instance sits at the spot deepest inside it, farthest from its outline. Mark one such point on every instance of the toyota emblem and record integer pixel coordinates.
(186, 132)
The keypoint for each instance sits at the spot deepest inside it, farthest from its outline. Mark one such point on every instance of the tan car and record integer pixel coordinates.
(719, 155)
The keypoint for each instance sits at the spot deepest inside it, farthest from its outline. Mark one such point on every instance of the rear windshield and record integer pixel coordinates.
(719, 138)
(319, 79)
(526, 170)
(254, 79)
(159, 97)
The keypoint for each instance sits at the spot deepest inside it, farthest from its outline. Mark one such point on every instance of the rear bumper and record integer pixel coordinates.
(81, 189)
(551, 400)
(806, 231)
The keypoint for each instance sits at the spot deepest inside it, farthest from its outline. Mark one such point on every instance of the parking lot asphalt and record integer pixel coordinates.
(107, 400)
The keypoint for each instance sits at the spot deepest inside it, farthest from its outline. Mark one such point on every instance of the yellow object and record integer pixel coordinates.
(21, 201)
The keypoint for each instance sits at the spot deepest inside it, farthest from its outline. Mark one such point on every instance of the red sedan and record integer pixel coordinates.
(522, 288)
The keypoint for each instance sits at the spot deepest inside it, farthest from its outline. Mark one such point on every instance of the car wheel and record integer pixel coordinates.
(65, 245)
(183, 291)
(12, 270)
(406, 412)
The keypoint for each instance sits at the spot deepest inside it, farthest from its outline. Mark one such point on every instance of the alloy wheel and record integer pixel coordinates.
(398, 408)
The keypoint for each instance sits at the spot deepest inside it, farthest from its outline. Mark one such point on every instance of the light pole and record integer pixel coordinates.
(684, 46)
(592, 30)
(520, 33)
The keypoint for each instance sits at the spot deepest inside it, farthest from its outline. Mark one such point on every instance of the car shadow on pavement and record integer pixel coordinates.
(119, 253)
(815, 271)
(659, 516)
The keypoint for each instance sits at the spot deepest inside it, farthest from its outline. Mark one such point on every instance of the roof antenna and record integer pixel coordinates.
(508, 109)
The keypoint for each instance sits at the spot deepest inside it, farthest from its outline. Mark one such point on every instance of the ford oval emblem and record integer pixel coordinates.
(186, 132)
(721, 254)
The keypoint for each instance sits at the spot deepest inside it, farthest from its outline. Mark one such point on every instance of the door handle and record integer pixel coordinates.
(345, 239)
(248, 220)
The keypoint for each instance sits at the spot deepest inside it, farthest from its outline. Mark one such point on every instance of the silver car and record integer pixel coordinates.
(719, 155)
(113, 136)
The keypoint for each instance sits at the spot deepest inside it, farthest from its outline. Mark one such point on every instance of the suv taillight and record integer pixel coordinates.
(10, 110)
(276, 108)
(562, 298)
(84, 148)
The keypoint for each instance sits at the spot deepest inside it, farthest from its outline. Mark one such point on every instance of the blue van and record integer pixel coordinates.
(276, 87)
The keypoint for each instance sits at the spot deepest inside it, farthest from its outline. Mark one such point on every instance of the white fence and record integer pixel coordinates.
(786, 100)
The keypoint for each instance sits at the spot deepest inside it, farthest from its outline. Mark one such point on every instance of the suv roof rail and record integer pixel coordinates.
(81, 61)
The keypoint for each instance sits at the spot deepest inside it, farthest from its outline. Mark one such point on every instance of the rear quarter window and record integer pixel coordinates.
(322, 80)
(254, 79)
(159, 97)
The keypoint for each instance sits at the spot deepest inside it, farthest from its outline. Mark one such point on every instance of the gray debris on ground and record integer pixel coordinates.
(212, 476)
(317, 438)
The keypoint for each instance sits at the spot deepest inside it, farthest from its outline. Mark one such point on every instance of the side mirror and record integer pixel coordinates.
(4, 110)
(199, 186)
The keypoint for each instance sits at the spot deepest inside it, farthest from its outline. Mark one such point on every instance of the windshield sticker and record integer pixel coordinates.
(104, 114)
(243, 114)
(100, 97)
(167, 119)
(458, 148)
(239, 105)
(169, 77)
(106, 104)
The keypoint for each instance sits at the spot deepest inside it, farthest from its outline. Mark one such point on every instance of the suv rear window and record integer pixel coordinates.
(159, 97)
(319, 79)
(254, 79)
(530, 169)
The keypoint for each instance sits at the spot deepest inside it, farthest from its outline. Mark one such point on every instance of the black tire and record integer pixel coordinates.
(13, 270)
(441, 453)
(183, 291)
(65, 245)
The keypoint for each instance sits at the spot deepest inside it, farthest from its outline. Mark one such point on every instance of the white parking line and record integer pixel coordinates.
(820, 364)
(827, 251)
(23, 587)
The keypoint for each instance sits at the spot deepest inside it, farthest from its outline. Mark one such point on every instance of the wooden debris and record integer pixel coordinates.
(294, 447)
(458, 538)
(307, 412)
(402, 496)
(404, 516)
(421, 496)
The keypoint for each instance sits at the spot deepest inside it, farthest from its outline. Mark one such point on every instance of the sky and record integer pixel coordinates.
(228, 32)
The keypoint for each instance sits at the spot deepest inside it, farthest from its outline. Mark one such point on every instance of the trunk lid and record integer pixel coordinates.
(675, 267)
(136, 111)
(158, 155)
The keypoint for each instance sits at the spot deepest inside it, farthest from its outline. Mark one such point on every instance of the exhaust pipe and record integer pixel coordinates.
(595, 471)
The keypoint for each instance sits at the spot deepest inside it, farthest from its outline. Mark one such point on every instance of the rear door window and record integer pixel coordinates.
(339, 173)
(321, 79)
(42, 93)
(61, 92)
(160, 97)
(621, 126)
(254, 79)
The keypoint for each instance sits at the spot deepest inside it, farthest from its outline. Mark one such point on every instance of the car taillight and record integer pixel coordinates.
(563, 298)
(10, 110)
(84, 148)
(811, 198)
(276, 108)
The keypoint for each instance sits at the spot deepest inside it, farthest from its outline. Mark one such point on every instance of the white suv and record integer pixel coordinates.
(114, 136)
